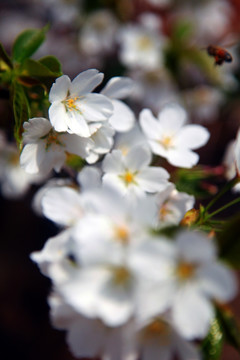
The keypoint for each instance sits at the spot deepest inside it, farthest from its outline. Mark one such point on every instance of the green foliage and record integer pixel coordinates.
(27, 43)
(193, 181)
(213, 343)
(230, 326)
(21, 110)
(36, 72)
(52, 63)
(5, 58)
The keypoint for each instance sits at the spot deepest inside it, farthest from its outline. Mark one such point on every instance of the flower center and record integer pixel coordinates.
(70, 104)
(122, 234)
(144, 43)
(52, 138)
(163, 212)
(121, 275)
(185, 270)
(128, 177)
(159, 330)
(167, 142)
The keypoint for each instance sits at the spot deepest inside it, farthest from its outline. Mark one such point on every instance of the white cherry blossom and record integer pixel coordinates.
(169, 137)
(123, 117)
(74, 106)
(131, 174)
(45, 149)
(188, 282)
(172, 205)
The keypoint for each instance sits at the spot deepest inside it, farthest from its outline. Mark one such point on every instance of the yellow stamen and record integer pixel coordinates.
(120, 275)
(167, 142)
(70, 103)
(185, 270)
(163, 212)
(122, 234)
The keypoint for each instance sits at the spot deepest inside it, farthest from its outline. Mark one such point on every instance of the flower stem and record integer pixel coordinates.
(235, 201)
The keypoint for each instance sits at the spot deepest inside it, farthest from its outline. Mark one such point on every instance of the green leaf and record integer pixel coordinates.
(52, 63)
(27, 43)
(36, 70)
(20, 109)
(75, 162)
(213, 343)
(4, 56)
(230, 326)
(229, 242)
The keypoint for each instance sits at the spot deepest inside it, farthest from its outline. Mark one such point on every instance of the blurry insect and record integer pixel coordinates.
(220, 55)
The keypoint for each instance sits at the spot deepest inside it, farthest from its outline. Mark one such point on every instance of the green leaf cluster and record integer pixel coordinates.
(26, 79)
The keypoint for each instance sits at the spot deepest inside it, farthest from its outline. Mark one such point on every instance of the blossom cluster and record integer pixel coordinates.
(121, 287)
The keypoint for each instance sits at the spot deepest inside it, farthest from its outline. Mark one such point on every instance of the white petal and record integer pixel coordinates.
(89, 177)
(153, 179)
(113, 181)
(118, 87)
(86, 337)
(62, 205)
(196, 247)
(59, 89)
(192, 313)
(95, 107)
(182, 158)
(193, 136)
(186, 350)
(35, 128)
(156, 351)
(237, 152)
(149, 124)
(218, 282)
(77, 124)
(123, 117)
(28, 159)
(112, 163)
(137, 158)
(77, 145)
(58, 116)
(85, 82)
(172, 117)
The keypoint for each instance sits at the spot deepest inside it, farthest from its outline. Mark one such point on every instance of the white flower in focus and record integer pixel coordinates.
(131, 174)
(170, 138)
(193, 278)
(97, 34)
(141, 47)
(45, 149)
(172, 205)
(74, 106)
(102, 138)
(118, 88)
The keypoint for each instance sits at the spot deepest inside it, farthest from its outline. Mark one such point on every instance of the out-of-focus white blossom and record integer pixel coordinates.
(123, 117)
(172, 205)
(45, 149)
(191, 278)
(170, 138)
(125, 141)
(74, 106)
(15, 182)
(131, 174)
(141, 46)
(97, 35)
